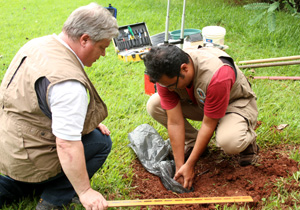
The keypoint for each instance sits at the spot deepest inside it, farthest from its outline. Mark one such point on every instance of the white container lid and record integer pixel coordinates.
(214, 30)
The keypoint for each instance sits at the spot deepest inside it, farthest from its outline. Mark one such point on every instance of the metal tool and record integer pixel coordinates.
(204, 172)
(174, 201)
(181, 40)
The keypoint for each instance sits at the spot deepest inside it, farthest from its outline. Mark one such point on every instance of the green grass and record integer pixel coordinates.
(121, 84)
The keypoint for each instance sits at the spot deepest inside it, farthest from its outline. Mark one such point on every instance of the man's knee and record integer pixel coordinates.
(155, 111)
(233, 134)
(228, 144)
(233, 143)
(105, 144)
(96, 142)
(108, 143)
(153, 104)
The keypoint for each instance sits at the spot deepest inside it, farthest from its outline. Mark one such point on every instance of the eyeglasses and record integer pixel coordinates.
(174, 85)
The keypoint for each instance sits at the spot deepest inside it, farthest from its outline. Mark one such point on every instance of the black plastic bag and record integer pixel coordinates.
(152, 152)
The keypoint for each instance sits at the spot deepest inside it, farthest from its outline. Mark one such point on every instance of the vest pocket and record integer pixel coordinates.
(240, 103)
(41, 148)
(13, 145)
(13, 76)
(246, 90)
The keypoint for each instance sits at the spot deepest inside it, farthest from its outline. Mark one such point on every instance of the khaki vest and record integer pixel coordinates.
(27, 145)
(206, 62)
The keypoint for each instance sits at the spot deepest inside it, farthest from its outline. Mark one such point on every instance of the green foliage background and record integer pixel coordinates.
(121, 84)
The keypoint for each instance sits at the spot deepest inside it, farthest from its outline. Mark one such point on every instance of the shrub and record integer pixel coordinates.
(269, 10)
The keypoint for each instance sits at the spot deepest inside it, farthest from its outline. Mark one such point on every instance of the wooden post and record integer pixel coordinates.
(271, 59)
(269, 64)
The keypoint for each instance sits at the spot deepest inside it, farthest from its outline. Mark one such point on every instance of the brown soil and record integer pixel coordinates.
(225, 178)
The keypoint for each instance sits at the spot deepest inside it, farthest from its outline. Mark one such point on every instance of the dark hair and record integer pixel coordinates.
(165, 59)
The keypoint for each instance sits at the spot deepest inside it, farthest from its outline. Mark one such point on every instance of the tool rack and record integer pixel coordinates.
(133, 42)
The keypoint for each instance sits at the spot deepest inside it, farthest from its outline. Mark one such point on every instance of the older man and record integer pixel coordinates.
(52, 140)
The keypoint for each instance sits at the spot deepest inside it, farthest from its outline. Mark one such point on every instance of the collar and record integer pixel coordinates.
(67, 46)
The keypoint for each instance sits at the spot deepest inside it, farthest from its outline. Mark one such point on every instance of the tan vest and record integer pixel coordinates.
(27, 145)
(206, 62)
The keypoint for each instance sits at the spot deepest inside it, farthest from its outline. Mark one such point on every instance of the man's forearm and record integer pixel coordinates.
(199, 147)
(177, 138)
(203, 138)
(176, 132)
(72, 159)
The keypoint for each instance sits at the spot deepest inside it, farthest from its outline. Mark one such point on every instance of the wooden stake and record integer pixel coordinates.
(271, 59)
(276, 78)
(174, 201)
(269, 64)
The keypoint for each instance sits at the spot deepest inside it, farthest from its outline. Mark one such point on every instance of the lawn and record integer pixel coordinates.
(121, 84)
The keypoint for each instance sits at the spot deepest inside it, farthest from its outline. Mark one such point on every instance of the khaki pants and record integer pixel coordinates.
(233, 133)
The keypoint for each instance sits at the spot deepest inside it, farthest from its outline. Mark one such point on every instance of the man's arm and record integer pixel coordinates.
(204, 135)
(72, 159)
(176, 132)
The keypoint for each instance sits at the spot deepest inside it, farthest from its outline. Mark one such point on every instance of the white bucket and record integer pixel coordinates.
(213, 34)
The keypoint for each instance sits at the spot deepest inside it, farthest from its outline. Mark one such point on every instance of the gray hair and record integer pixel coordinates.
(92, 19)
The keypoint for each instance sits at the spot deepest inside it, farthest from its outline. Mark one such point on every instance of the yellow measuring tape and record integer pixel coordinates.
(173, 201)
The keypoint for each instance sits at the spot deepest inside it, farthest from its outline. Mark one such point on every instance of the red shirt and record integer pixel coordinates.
(217, 95)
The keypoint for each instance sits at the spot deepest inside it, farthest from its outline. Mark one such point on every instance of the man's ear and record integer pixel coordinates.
(83, 39)
(184, 67)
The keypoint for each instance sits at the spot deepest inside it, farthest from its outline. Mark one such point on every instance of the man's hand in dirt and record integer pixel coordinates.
(93, 200)
(186, 173)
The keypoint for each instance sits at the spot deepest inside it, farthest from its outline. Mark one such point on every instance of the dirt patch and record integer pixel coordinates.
(224, 177)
